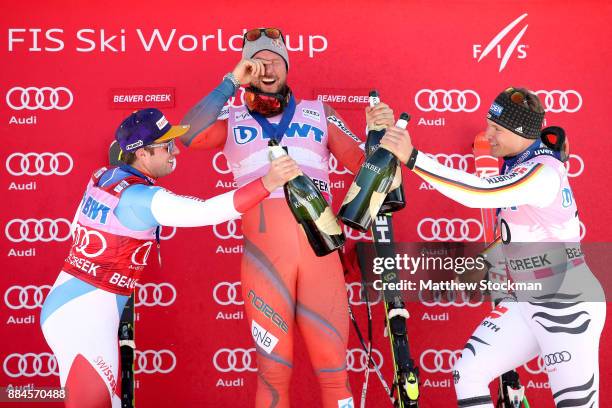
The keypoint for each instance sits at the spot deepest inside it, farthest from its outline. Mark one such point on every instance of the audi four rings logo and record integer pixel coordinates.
(228, 230)
(155, 294)
(220, 163)
(455, 229)
(32, 230)
(30, 365)
(556, 358)
(227, 293)
(25, 297)
(89, 243)
(39, 164)
(333, 166)
(577, 162)
(569, 101)
(442, 100)
(574, 166)
(355, 298)
(45, 98)
(357, 359)
(237, 360)
(540, 366)
(439, 361)
(449, 298)
(357, 235)
(453, 160)
(154, 361)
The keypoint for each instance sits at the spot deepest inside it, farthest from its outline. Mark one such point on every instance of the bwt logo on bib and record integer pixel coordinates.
(247, 134)
(92, 208)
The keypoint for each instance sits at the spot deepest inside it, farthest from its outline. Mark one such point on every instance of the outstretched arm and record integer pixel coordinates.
(142, 207)
(529, 183)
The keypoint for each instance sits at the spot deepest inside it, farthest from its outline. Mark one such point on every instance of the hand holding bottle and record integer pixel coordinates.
(369, 189)
(379, 117)
(281, 171)
(397, 141)
(310, 208)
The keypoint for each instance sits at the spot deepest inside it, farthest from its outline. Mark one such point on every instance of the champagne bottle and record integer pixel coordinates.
(370, 187)
(395, 200)
(311, 210)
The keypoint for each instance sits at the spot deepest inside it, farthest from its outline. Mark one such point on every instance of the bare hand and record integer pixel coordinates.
(248, 70)
(379, 117)
(281, 171)
(398, 142)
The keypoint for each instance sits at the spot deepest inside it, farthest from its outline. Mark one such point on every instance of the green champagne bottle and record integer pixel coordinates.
(370, 187)
(395, 200)
(310, 210)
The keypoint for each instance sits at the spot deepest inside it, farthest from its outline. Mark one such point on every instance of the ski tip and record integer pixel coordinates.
(114, 154)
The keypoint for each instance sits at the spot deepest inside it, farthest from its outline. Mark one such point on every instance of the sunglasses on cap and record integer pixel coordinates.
(517, 97)
(254, 34)
(169, 145)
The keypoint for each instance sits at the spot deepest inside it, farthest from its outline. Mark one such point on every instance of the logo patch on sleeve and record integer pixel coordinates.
(340, 125)
(263, 338)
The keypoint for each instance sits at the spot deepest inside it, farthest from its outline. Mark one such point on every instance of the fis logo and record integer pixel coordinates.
(241, 116)
(247, 134)
(504, 52)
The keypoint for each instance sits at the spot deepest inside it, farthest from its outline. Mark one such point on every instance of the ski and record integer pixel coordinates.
(405, 389)
(126, 324)
(406, 373)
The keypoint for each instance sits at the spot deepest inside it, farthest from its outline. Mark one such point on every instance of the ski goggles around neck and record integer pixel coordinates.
(267, 104)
